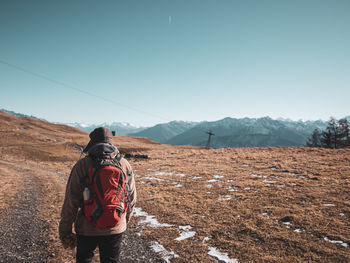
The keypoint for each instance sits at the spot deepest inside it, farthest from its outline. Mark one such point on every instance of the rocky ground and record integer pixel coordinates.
(24, 232)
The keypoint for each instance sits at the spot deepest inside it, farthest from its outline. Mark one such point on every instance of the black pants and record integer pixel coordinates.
(109, 247)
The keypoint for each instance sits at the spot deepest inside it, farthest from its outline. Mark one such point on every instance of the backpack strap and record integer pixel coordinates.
(98, 211)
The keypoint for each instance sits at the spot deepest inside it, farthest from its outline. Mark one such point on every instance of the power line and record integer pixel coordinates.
(61, 83)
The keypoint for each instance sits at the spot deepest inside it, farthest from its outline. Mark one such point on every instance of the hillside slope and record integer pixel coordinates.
(194, 204)
(165, 131)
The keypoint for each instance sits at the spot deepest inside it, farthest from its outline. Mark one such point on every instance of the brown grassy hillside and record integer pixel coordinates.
(255, 204)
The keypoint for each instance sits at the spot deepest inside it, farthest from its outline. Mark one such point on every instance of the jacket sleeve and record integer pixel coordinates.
(132, 189)
(72, 201)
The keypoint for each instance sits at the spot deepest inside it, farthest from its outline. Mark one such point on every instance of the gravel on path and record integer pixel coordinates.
(22, 233)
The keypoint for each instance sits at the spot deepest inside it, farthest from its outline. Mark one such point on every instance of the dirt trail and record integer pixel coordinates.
(24, 235)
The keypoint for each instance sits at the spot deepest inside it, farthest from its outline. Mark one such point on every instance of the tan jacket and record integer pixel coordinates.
(72, 206)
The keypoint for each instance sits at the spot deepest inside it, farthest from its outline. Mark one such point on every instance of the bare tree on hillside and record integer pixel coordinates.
(326, 139)
(315, 140)
(344, 138)
(336, 134)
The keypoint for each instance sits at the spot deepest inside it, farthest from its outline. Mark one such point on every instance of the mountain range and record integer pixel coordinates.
(162, 133)
(121, 128)
(248, 132)
(228, 132)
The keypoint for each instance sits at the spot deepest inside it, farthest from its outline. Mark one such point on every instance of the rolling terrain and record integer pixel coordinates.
(229, 132)
(272, 204)
(165, 131)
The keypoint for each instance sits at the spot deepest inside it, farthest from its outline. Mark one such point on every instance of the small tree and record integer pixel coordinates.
(344, 139)
(326, 138)
(336, 134)
(315, 140)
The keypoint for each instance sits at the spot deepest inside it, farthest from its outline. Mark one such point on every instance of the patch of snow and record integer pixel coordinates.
(185, 233)
(287, 224)
(225, 198)
(213, 252)
(208, 192)
(297, 230)
(212, 180)
(270, 182)
(218, 176)
(245, 165)
(163, 173)
(158, 248)
(153, 178)
(208, 186)
(286, 172)
(187, 227)
(206, 239)
(231, 189)
(230, 181)
(196, 177)
(256, 175)
(142, 182)
(181, 175)
(177, 184)
(328, 204)
(264, 214)
(149, 219)
(341, 214)
(341, 242)
(84, 125)
(247, 188)
(139, 212)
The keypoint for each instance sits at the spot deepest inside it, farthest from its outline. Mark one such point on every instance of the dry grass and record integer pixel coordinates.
(10, 185)
(267, 186)
(294, 186)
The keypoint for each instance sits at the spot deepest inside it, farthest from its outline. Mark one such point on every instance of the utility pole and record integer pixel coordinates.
(210, 133)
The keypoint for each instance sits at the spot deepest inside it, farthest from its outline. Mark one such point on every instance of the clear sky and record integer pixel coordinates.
(156, 61)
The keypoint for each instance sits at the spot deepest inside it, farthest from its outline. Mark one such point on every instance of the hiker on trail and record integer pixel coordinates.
(100, 197)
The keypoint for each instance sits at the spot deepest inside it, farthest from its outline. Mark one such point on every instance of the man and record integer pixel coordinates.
(88, 236)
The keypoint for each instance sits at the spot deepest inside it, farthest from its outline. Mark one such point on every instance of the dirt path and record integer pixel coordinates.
(22, 233)
(135, 249)
(25, 237)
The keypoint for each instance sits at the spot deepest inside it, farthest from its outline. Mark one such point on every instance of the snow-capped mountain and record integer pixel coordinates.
(249, 132)
(121, 128)
(228, 132)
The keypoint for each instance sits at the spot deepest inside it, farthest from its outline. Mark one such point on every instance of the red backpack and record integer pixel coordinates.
(105, 193)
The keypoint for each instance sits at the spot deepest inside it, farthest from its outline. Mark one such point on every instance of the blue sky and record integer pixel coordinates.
(156, 61)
